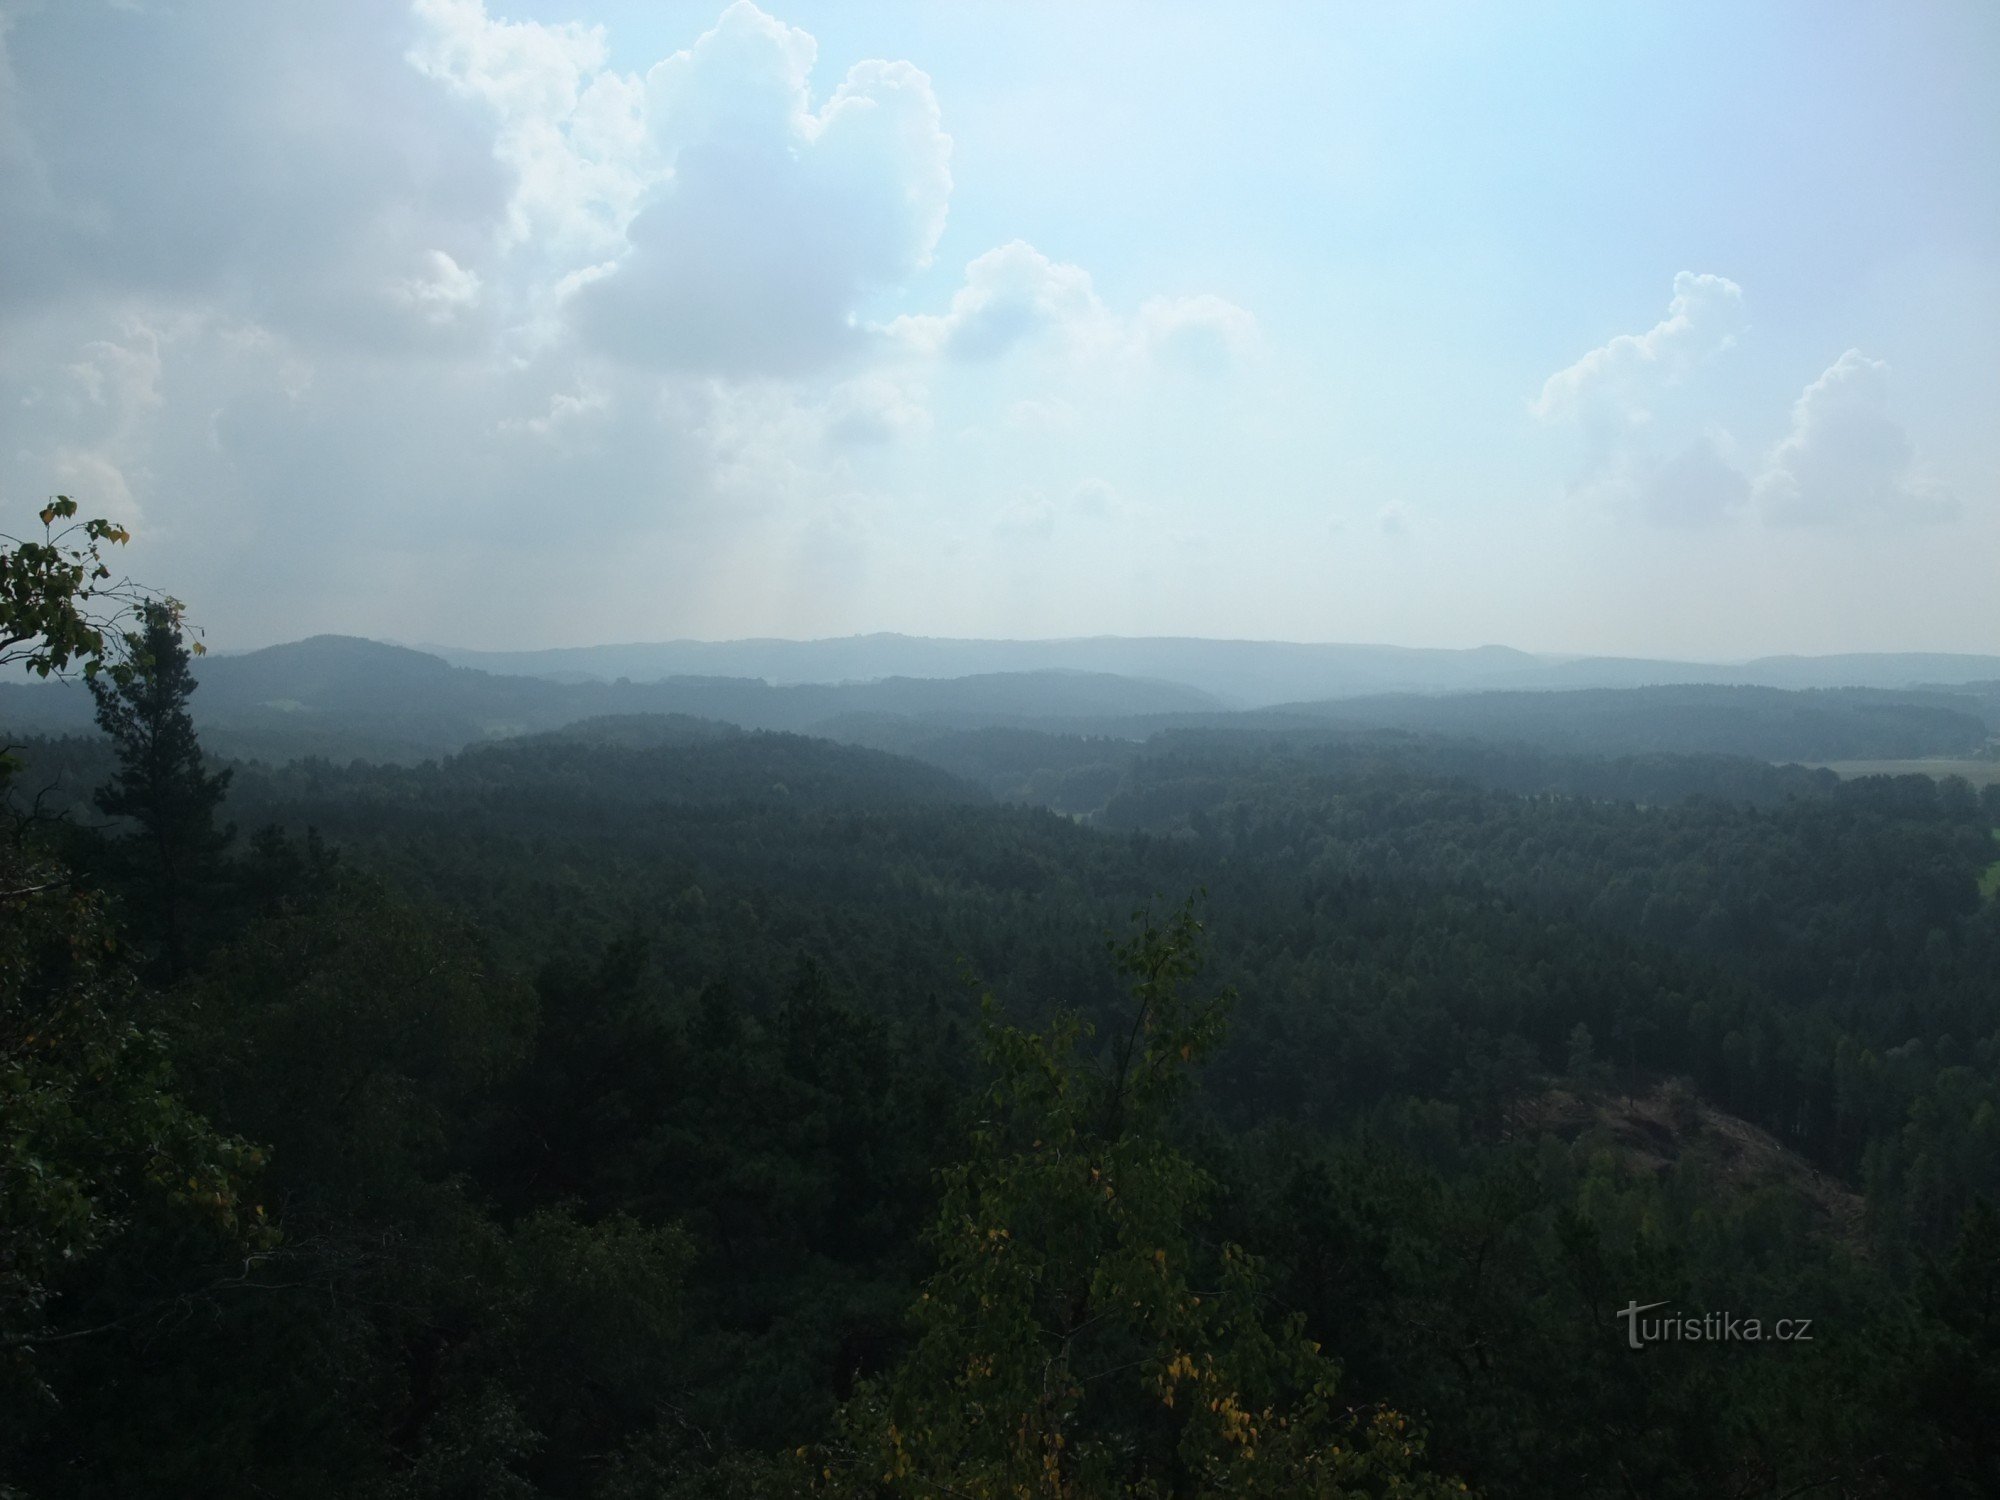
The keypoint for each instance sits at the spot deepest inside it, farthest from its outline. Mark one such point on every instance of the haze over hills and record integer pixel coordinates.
(1869, 669)
(343, 697)
(1239, 673)
(924, 938)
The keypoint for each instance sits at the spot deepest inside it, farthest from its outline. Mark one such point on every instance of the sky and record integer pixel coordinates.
(1660, 330)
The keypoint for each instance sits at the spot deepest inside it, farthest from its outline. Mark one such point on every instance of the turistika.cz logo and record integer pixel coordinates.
(1709, 1328)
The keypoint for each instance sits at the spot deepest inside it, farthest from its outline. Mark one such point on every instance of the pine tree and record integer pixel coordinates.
(162, 784)
(97, 1146)
(1081, 1338)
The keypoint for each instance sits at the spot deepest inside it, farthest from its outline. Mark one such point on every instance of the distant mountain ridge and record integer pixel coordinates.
(344, 698)
(1242, 674)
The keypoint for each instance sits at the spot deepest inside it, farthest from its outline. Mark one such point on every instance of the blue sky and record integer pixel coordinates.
(1643, 329)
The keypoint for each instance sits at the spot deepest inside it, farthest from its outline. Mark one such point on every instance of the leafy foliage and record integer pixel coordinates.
(50, 591)
(93, 1137)
(97, 1146)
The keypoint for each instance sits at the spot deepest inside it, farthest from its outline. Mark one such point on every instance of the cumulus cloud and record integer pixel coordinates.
(1206, 333)
(87, 428)
(1846, 458)
(1012, 294)
(1843, 458)
(568, 130)
(705, 217)
(771, 221)
(1610, 396)
(567, 415)
(872, 409)
(444, 291)
(347, 297)
(80, 472)
(1617, 380)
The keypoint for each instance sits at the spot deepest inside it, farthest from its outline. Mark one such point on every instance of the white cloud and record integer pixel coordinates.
(443, 293)
(1015, 297)
(1204, 333)
(77, 473)
(567, 412)
(751, 255)
(568, 130)
(1846, 458)
(453, 297)
(871, 409)
(1012, 294)
(1618, 379)
(1610, 395)
(88, 432)
(705, 218)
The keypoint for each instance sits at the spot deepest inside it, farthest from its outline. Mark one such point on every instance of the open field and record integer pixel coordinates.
(1978, 772)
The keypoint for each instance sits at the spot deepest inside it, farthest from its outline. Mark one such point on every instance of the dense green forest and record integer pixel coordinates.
(659, 1107)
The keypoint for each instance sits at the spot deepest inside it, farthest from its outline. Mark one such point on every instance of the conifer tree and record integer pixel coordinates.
(162, 784)
(97, 1145)
(1081, 1339)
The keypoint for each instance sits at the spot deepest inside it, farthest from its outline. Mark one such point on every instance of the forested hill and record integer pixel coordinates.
(1431, 975)
(614, 1107)
(1759, 723)
(1767, 723)
(1244, 673)
(340, 698)
(1087, 774)
(606, 767)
